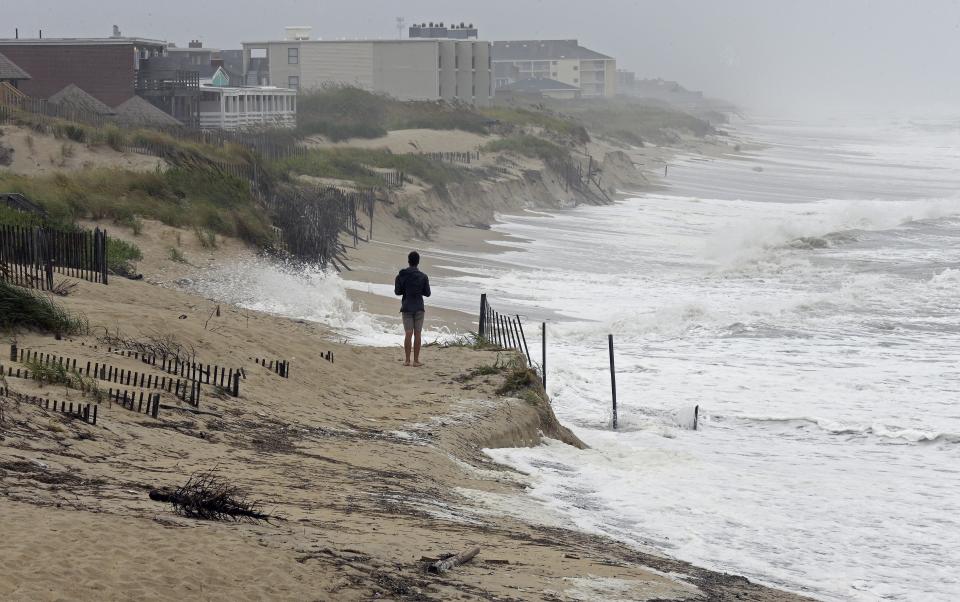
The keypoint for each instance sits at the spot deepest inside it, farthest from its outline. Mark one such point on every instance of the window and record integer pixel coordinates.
(293, 56)
(554, 75)
(439, 61)
(293, 81)
(576, 67)
(456, 61)
(575, 80)
(473, 62)
(554, 62)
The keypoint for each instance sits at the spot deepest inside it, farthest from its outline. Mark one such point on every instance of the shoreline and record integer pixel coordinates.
(366, 466)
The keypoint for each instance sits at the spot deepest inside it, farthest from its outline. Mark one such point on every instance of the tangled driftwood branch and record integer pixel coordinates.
(209, 497)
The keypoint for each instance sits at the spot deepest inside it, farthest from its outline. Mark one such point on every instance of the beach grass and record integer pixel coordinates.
(179, 197)
(24, 308)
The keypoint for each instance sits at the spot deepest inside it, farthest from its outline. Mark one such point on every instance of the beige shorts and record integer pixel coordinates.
(412, 321)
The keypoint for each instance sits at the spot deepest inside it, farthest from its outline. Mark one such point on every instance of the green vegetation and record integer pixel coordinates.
(355, 164)
(522, 382)
(23, 308)
(342, 112)
(120, 139)
(12, 217)
(179, 197)
(550, 153)
(56, 374)
(546, 120)
(121, 255)
(634, 121)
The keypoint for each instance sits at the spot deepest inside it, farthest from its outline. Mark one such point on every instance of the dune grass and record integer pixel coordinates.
(181, 197)
(351, 163)
(24, 308)
(534, 117)
(341, 112)
(634, 121)
(531, 146)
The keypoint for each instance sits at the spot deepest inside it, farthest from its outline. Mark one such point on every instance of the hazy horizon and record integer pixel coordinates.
(815, 56)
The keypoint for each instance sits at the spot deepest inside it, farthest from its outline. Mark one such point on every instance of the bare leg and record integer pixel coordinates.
(416, 348)
(406, 346)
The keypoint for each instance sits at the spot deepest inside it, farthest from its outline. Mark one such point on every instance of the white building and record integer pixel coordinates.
(231, 108)
(409, 69)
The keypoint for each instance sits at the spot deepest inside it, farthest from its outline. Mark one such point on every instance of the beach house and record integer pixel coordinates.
(565, 61)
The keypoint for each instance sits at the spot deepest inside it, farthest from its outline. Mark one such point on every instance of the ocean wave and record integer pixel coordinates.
(833, 427)
(818, 225)
(301, 292)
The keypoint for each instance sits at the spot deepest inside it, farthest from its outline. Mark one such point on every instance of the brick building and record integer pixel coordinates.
(105, 68)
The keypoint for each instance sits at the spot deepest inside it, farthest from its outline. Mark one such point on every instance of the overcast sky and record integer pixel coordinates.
(763, 54)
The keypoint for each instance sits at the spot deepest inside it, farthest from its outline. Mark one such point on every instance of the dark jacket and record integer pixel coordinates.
(414, 286)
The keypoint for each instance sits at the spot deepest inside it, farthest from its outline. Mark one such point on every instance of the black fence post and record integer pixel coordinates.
(543, 358)
(613, 381)
(524, 337)
(483, 311)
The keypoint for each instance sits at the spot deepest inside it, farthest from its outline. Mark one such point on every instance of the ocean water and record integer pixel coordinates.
(806, 296)
(807, 299)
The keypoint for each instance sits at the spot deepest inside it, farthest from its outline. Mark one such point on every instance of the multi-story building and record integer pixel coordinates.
(105, 68)
(412, 69)
(561, 60)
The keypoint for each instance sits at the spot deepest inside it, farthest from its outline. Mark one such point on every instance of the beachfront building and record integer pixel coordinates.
(228, 107)
(105, 68)
(410, 69)
(539, 88)
(566, 61)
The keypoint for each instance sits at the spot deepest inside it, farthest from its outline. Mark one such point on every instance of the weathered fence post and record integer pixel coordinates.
(483, 311)
(543, 358)
(613, 381)
(524, 337)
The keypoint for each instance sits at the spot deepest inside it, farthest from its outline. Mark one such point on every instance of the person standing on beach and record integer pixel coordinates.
(413, 285)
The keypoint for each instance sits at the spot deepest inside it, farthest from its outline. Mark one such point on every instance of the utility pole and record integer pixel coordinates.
(400, 23)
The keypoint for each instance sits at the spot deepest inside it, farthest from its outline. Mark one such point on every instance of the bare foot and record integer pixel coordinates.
(417, 364)
(406, 363)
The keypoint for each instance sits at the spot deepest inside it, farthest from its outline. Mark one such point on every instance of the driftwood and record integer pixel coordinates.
(208, 497)
(450, 561)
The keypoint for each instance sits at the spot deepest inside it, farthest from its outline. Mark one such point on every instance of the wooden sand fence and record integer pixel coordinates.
(502, 330)
(313, 220)
(85, 412)
(29, 255)
(466, 157)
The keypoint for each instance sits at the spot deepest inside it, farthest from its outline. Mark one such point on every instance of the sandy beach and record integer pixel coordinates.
(367, 468)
